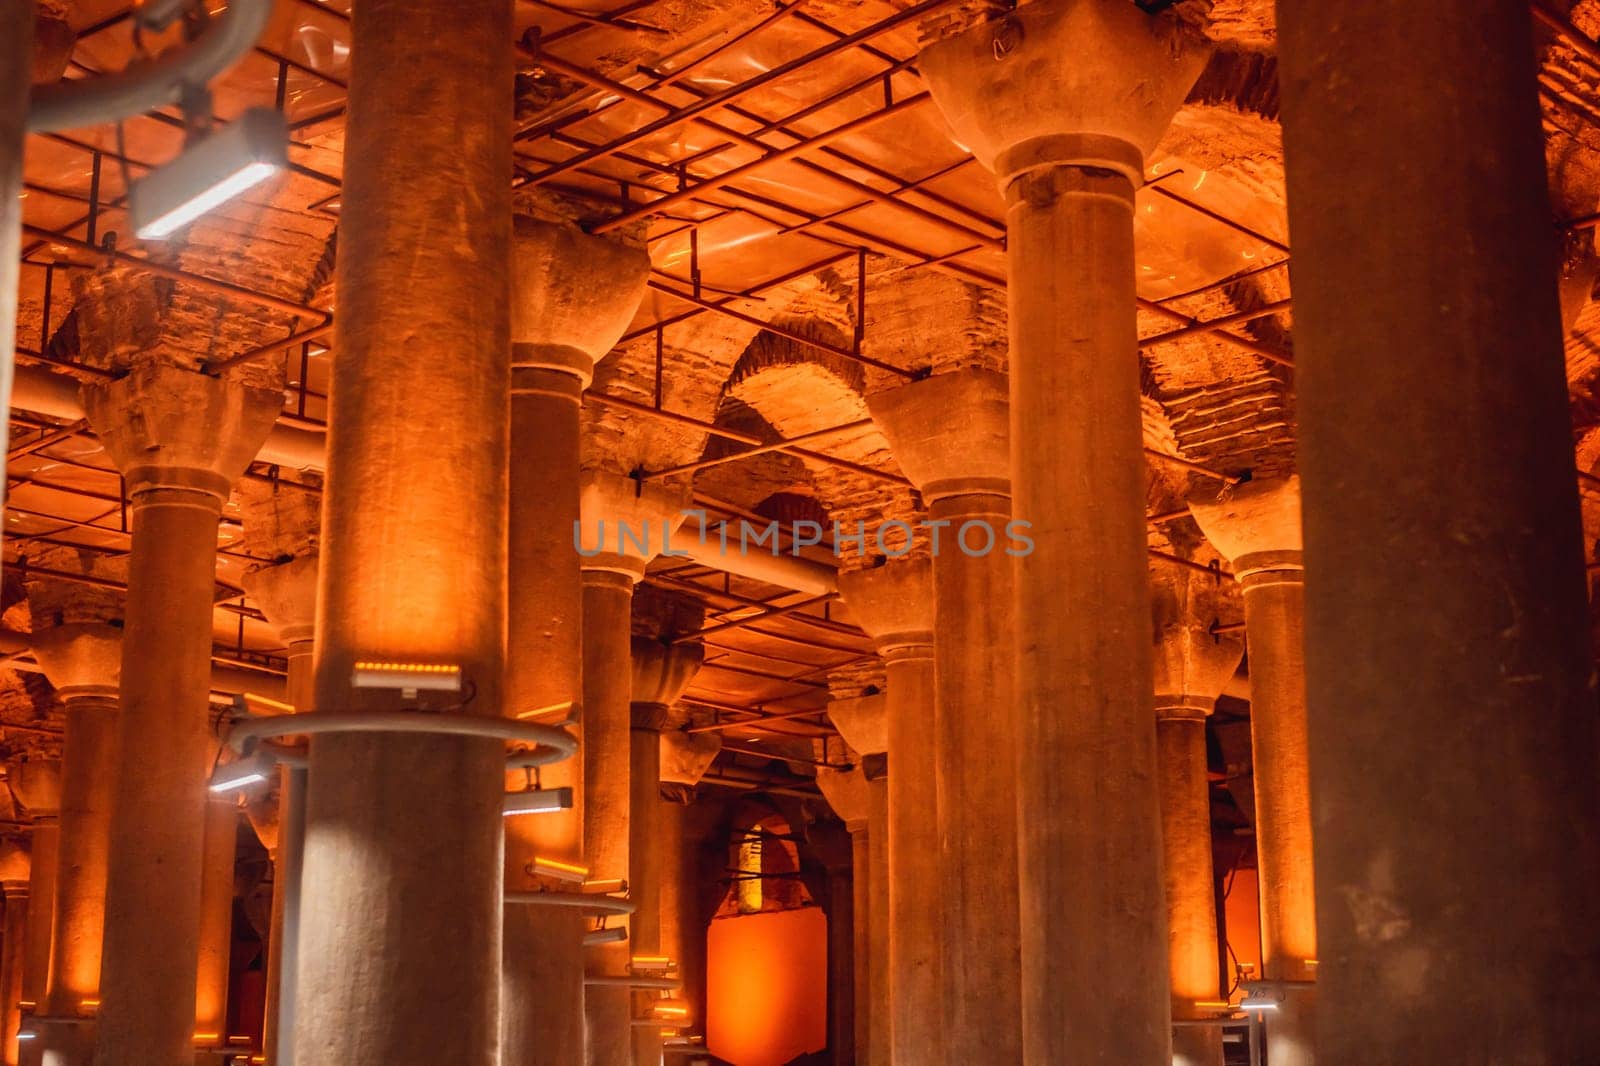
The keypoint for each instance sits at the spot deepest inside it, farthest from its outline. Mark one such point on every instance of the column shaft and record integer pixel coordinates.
(606, 751)
(46, 850)
(542, 984)
(287, 864)
(872, 999)
(216, 921)
(1449, 678)
(1274, 603)
(1187, 862)
(152, 927)
(645, 864)
(403, 884)
(915, 878)
(977, 735)
(88, 784)
(11, 960)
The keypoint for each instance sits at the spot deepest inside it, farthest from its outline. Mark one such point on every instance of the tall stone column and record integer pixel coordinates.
(863, 723)
(894, 604)
(1063, 99)
(216, 920)
(1449, 678)
(949, 434)
(572, 296)
(14, 876)
(1257, 527)
(852, 1033)
(660, 674)
(685, 758)
(287, 596)
(1191, 667)
(179, 439)
(83, 661)
(37, 784)
(403, 882)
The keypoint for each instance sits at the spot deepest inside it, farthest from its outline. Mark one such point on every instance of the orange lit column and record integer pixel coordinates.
(863, 723)
(1063, 99)
(572, 295)
(1258, 529)
(894, 604)
(1448, 668)
(37, 783)
(83, 661)
(660, 674)
(14, 875)
(612, 503)
(402, 888)
(949, 434)
(287, 596)
(1191, 667)
(686, 893)
(179, 439)
(850, 1015)
(216, 921)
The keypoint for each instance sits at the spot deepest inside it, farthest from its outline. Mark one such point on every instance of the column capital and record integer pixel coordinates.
(572, 296)
(863, 722)
(287, 595)
(37, 783)
(894, 604)
(81, 659)
(1192, 664)
(846, 793)
(685, 758)
(1087, 83)
(950, 433)
(624, 523)
(1256, 526)
(661, 672)
(176, 429)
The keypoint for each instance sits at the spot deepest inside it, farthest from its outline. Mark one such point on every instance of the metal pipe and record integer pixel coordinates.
(161, 81)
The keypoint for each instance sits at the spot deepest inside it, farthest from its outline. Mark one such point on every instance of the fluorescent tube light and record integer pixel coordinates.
(210, 172)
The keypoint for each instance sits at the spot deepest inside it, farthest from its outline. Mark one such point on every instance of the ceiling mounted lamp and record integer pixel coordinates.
(210, 172)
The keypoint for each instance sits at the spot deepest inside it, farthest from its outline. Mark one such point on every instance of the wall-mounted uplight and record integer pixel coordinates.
(252, 703)
(251, 770)
(614, 934)
(537, 801)
(606, 886)
(571, 873)
(210, 172)
(654, 963)
(409, 678)
(1261, 998)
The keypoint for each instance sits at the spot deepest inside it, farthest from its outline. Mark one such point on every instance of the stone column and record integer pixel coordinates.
(949, 434)
(1257, 527)
(612, 502)
(894, 604)
(660, 674)
(37, 784)
(1450, 682)
(287, 596)
(1063, 99)
(179, 439)
(685, 758)
(216, 920)
(14, 876)
(848, 793)
(863, 722)
(1191, 668)
(403, 883)
(572, 296)
(83, 661)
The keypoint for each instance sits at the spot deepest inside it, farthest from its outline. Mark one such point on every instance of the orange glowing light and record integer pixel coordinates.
(251, 699)
(652, 962)
(766, 986)
(207, 1038)
(540, 712)
(561, 871)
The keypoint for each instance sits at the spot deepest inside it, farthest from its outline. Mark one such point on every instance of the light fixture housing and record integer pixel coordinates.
(1261, 997)
(241, 773)
(210, 172)
(612, 934)
(560, 871)
(407, 677)
(537, 801)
